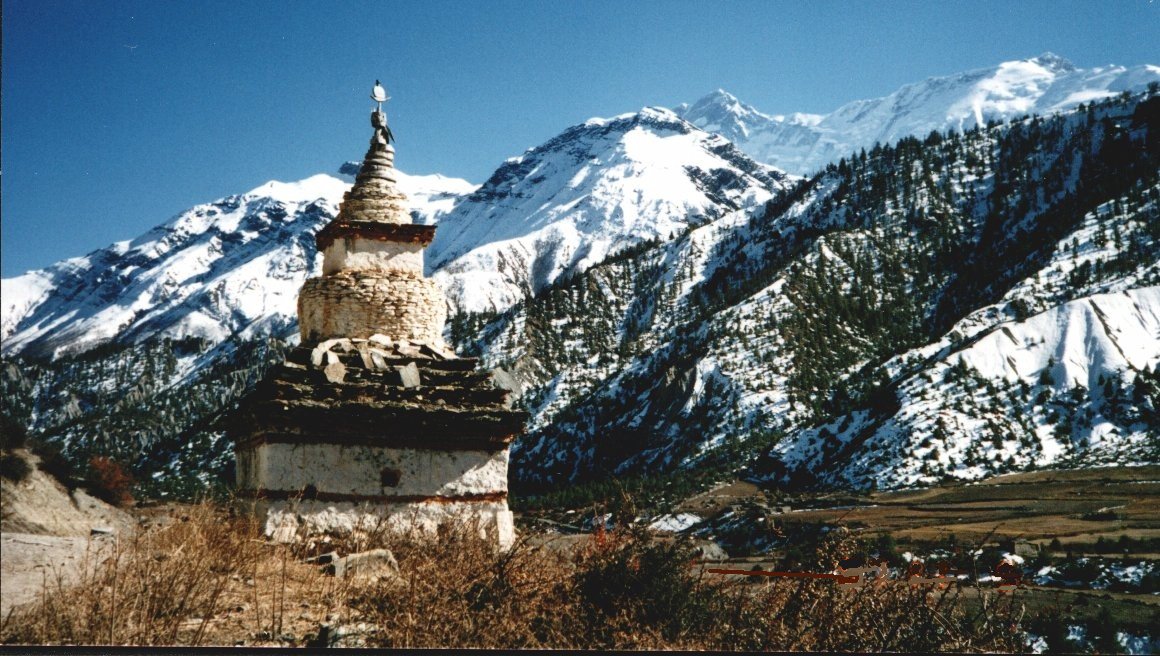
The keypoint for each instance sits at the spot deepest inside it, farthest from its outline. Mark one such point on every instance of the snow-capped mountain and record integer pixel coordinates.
(231, 268)
(804, 143)
(597, 188)
(825, 328)
(667, 304)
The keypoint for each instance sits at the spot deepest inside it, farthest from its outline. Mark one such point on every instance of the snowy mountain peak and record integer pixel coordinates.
(802, 143)
(1054, 62)
(655, 116)
(597, 188)
(721, 112)
(308, 189)
(722, 100)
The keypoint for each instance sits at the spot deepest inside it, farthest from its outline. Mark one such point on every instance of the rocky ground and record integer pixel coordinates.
(48, 534)
(33, 563)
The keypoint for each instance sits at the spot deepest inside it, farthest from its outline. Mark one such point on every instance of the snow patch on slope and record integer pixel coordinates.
(972, 411)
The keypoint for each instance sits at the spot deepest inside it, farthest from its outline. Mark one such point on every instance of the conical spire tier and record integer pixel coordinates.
(374, 208)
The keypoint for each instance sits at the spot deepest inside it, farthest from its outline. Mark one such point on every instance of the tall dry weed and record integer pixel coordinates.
(457, 589)
(625, 589)
(206, 577)
(211, 579)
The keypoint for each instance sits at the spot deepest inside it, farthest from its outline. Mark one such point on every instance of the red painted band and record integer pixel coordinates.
(285, 495)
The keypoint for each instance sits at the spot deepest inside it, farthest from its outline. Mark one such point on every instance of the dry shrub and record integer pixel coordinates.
(155, 588)
(108, 481)
(820, 615)
(456, 589)
(627, 590)
(14, 467)
(213, 580)
(55, 464)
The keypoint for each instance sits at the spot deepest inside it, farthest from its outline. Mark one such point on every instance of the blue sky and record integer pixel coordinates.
(102, 141)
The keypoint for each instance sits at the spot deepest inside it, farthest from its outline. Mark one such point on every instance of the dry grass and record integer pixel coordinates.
(146, 591)
(624, 590)
(210, 580)
(1034, 505)
(206, 577)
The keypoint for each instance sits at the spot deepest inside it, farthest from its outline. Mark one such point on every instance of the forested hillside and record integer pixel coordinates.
(948, 306)
(815, 311)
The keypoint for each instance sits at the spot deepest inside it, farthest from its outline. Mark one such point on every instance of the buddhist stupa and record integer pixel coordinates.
(372, 420)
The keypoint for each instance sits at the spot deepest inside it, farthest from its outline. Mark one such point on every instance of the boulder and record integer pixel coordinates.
(335, 372)
(711, 551)
(376, 562)
(323, 559)
(364, 354)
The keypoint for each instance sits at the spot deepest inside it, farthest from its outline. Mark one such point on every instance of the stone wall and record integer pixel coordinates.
(285, 520)
(353, 303)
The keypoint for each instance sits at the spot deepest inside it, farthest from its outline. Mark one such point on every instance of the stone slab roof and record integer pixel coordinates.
(379, 391)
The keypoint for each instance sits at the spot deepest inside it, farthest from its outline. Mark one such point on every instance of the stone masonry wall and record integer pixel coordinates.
(353, 303)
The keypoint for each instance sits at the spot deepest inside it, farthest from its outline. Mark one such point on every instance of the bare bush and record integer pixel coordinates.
(108, 481)
(212, 580)
(14, 467)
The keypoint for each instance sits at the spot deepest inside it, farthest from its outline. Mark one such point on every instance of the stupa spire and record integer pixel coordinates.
(374, 196)
(372, 272)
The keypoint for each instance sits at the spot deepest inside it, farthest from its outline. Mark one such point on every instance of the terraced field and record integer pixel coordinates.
(1075, 507)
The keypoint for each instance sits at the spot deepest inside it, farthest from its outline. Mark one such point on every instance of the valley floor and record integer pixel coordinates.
(1089, 544)
(1077, 507)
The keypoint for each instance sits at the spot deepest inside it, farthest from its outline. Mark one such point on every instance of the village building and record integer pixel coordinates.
(372, 421)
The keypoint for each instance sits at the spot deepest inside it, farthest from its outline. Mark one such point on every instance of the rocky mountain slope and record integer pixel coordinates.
(669, 305)
(41, 505)
(597, 188)
(804, 143)
(825, 326)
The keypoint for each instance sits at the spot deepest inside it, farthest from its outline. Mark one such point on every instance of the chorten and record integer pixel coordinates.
(372, 422)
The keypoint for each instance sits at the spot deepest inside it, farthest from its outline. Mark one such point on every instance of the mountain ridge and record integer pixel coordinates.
(600, 186)
(802, 144)
(769, 319)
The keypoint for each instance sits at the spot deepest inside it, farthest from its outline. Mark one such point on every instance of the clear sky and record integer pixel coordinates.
(117, 115)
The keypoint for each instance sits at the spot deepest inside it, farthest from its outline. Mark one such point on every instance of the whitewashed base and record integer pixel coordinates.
(287, 521)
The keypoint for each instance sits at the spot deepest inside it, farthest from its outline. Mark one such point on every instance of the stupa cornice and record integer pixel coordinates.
(404, 233)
